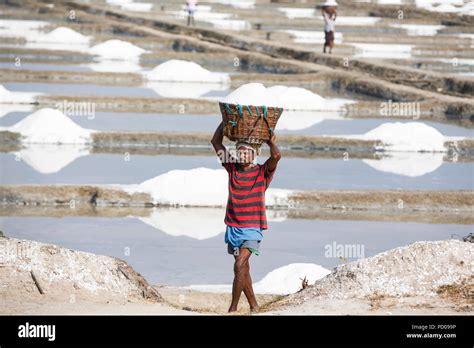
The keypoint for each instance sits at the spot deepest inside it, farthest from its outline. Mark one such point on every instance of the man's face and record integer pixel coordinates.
(245, 155)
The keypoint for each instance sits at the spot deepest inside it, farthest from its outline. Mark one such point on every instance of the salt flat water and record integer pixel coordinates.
(293, 173)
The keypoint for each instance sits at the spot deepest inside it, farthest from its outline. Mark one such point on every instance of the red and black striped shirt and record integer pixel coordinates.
(246, 202)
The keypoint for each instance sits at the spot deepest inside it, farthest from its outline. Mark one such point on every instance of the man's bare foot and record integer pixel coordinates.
(254, 309)
(232, 309)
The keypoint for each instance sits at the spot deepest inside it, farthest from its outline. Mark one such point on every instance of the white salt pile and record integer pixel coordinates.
(281, 281)
(9, 97)
(296, 98)
(410, 164)
(51, 126)
(252, 94)
(410, 137)
(62, 35)
(181, 70)
(289, 98)
(117, 50)
(288, 279)
(196, 187)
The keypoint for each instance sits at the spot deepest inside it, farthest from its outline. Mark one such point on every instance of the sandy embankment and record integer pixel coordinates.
(422, 278)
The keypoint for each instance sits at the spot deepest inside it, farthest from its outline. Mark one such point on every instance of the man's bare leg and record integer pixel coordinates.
(241, 268)
(248, 291)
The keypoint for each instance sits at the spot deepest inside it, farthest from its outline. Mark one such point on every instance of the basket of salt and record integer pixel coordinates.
(250, 114)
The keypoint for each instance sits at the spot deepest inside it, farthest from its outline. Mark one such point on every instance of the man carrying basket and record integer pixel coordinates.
(245, 215)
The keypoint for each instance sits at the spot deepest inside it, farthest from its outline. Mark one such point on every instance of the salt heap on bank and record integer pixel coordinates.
(117, 50)
(9, 97)
(289, 98)
(50, 126)
(303, 108)
(176, 70)
(409, 137)
(116, 56)
(61, 38)
(196, 187)
(281, 281)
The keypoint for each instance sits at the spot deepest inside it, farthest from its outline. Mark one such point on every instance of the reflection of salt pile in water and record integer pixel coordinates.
(407, 164)
(197, 223)
(281, 281)
(183, 79)
(51, 158)
(300, 104)
(20, 28)
(50, 126)
(9, 97)
(196, 187)
(409, 137)
(61, 38)
(116, 56)
(180, 70)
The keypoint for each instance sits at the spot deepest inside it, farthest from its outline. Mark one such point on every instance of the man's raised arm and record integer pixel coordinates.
(275, 155)
(216, 140)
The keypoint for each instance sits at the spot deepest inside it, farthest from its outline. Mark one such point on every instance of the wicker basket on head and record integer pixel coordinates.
(252, 124)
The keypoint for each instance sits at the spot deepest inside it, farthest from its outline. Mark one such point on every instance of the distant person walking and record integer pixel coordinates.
(191, 7)
(329, 12)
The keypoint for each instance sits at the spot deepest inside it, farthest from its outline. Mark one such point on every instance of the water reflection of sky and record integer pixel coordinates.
(293, 173)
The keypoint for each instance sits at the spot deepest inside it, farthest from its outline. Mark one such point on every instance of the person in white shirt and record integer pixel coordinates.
(191, 7)
(329, 12)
